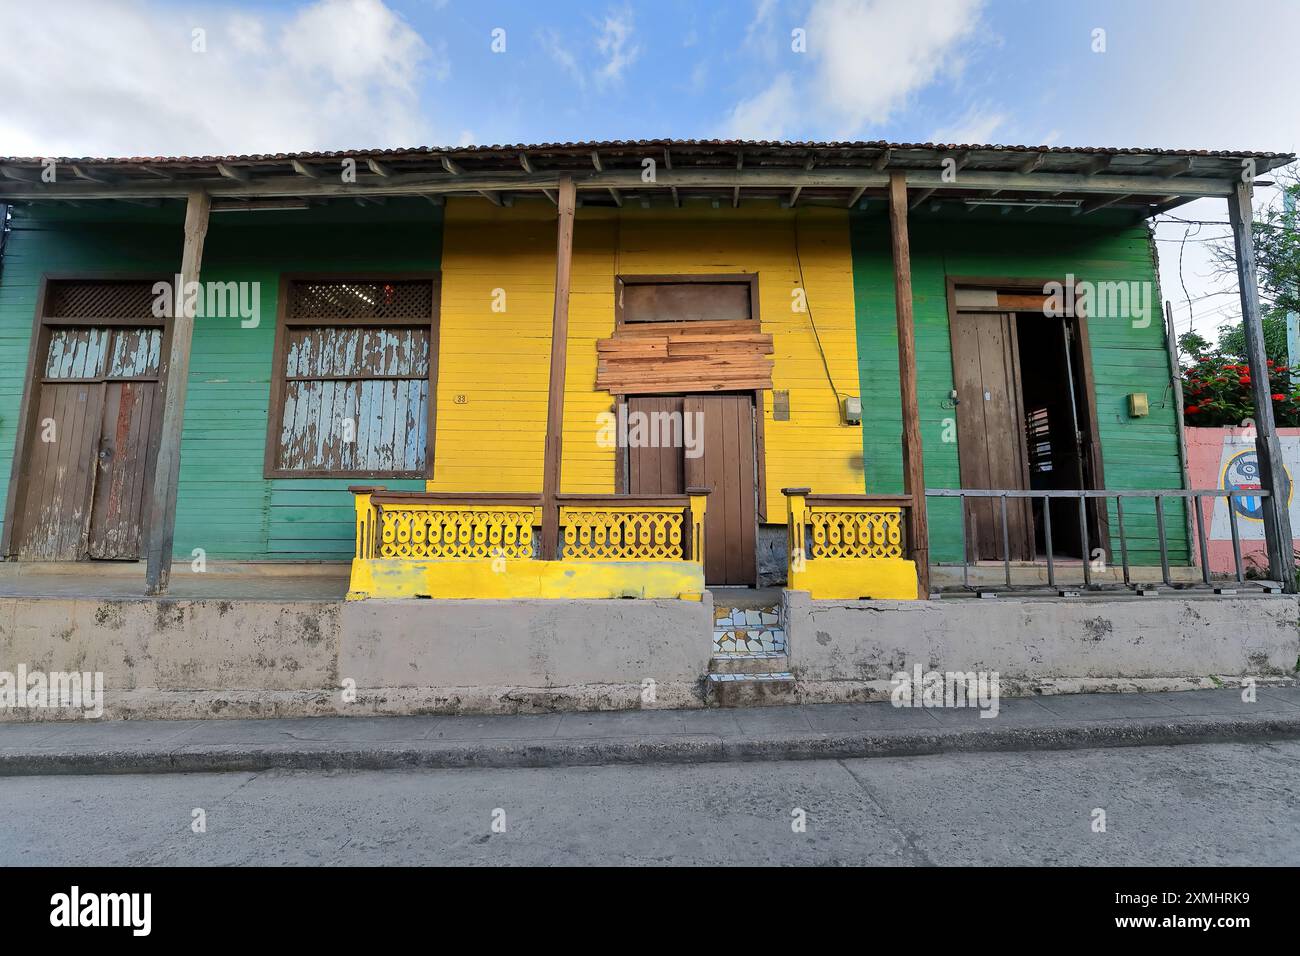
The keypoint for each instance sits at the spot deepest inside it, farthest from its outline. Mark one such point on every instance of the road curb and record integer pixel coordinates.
(663, 749)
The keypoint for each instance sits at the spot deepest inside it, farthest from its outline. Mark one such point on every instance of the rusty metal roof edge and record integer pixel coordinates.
(780, 145)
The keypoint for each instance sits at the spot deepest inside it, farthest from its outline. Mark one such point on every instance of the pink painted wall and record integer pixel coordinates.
(1224, 458)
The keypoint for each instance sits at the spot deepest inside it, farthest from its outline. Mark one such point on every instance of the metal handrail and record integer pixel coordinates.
(1083, 496)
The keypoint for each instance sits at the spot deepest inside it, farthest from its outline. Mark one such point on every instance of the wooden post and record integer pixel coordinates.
(175, 374)
(699, 502)
(796, 548)
(567, 196)
(913, 465)
(1268, 450)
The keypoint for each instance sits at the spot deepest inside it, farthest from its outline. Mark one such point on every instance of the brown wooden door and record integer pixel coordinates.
(88, 465)
(656, 469)
(125, 464)
(726, 465)
(990, 433)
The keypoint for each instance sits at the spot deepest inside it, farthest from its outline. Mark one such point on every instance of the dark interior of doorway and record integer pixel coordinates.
(1053, 423)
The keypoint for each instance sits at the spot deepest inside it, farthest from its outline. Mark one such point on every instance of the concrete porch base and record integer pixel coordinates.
(1104, 640)
(279, 650)
(282, 657)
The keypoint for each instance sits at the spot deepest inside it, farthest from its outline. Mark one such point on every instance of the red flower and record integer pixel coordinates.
(1279, 397)
(1191, 410)
(1244, 380)
(1270, 361)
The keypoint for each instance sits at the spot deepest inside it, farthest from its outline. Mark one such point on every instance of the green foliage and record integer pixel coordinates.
(1193, 345)
(1216, 381)
(1277, 250)
(1217, 392)
(1232, 339)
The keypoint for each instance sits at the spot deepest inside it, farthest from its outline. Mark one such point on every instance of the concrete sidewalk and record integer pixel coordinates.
(819, 731)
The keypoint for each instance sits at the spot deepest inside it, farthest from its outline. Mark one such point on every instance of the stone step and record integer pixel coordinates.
(765, 662)
(751, 690)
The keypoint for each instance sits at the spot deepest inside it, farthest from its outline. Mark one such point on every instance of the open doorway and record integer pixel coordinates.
(1054, 433)
(1025, 421)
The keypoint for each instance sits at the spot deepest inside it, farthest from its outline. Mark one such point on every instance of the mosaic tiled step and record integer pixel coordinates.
(751, 690)
(761, 663)
(748, 631)
(728, 617)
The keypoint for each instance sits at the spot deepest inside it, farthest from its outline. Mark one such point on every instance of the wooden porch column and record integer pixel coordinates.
(1268, 450)
(175, 374)
(566, 200)
(913, 465)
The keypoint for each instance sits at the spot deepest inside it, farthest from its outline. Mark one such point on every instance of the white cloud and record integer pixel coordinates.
(767, 115)
(868, 57)
(613, 44)
(559, 51)
(977, 126)
(115, 78)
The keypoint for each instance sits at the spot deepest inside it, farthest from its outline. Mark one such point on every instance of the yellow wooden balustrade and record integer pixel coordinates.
(627, 528)
(856, 548)
(421, 544)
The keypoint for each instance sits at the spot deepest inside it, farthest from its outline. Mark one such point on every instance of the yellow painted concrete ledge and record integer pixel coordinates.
(848, 579)
(486, 578)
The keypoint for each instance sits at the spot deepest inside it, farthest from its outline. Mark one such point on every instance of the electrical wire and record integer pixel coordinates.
(811, 321)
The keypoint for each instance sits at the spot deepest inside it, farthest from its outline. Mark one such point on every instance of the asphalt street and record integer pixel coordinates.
(1185, 805)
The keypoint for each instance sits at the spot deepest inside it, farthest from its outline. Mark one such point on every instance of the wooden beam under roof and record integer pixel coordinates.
(959, 163)
(89, 177)
(1097, 164)
(882, 160)
(1031, 164)
(234, 172)
(1164, 205)
(304, 170)
(16, 187)
(1101, 203)
(378, 168)
(668, 164)
(452, 166)
(740, 164)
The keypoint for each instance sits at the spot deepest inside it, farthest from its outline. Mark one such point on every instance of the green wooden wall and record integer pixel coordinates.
(225, 506)
(1138, 453)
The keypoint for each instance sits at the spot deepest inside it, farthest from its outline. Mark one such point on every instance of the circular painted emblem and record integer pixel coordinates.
(1241, 477)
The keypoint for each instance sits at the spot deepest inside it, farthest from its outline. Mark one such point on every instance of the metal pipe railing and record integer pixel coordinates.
(1090, 505)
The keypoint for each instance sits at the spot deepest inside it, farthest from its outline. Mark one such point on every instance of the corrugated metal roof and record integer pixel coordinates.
(702, 144)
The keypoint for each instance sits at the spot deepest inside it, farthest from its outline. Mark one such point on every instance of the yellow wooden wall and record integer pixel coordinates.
(492, 375)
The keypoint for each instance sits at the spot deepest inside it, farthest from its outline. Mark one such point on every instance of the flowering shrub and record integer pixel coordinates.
(1217, 391)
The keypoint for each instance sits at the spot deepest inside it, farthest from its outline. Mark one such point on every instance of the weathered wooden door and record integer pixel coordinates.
(90, 459)
(727, 465)
(990, 433)
(658, 468)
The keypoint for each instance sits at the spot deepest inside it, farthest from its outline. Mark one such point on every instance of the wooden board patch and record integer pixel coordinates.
(678, 357)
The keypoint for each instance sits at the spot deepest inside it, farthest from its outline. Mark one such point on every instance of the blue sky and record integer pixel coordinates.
(151, 77)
